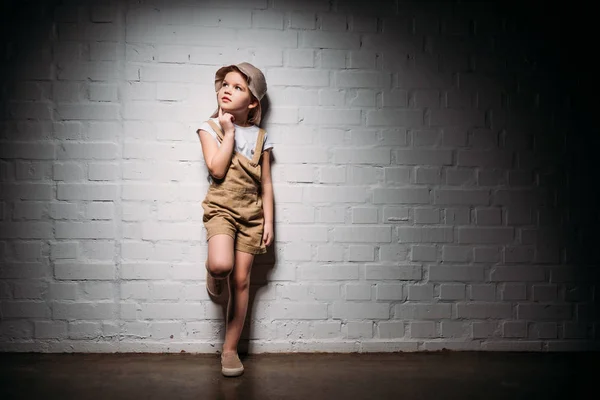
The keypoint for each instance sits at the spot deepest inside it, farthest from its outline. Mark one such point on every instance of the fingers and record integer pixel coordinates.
(267, 238)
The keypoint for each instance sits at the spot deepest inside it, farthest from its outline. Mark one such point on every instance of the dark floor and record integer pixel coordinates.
(445, 375)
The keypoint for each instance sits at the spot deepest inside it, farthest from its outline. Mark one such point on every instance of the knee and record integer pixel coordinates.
(219, 268)
(241, 283)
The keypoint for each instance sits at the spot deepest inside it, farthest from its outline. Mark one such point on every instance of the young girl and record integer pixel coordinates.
(238, 208)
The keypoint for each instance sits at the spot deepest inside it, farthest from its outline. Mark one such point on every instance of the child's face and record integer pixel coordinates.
(234, 95)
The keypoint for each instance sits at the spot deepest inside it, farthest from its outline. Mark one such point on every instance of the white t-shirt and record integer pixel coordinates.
(245, 138)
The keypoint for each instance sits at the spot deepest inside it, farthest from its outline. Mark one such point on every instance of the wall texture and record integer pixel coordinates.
(432, 166)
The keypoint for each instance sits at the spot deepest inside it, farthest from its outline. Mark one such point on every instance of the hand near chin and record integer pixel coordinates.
(226, 120)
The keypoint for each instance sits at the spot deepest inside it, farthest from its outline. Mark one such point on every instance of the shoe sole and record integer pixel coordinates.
(208, 290)
(232, 371)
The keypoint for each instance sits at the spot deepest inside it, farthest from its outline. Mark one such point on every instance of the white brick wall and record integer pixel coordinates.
(417, 188)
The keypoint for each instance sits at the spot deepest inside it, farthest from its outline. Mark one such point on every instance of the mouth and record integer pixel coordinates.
(225, 99)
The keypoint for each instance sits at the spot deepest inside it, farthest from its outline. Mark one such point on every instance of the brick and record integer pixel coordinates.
(297, 77)
(295, 311)
(401, 196)
(394, 272)
(28, 151)
(390, 329)
(514, 329)
(330, 117)
(425, 234)
(359, 330)
(88, 111)
(541, 312)
(327, 330)
(50, 330)
(395, 117)
(356, 156)
(389, 292)
(332, 97)
(356, 310)
(420, 292)
(331, 215)
(424, 253)
(327, 292)
(457, 253)
(461, 197)
(28, 210)
(362, 234)
(394, 252)
(423, 157)
(99, 211)
(329, 40)
(486, 254)
(452, 292)
(68, 171)
(330, 253)
(520, 198)
(428, 176)
(103, 172)
(482, 292)
(358, 292)
(364, 215)
(457, 216)
(267, 19)
(483, 330)
(453, 329)
(445, 273)
(543, 330)
(328, 272)
(544, 293)
(364, 175)
(73, 270)
(460, 177)
(362, 60)
(422, 311)
(396, 174)
(303, 20)
(363, 79)
(361, 253)
(422, 329)
(64, 250)
(33, 170)
(518, 273)
(485, 235)
(484, 310)
(488, 216)
(427, 216)
(25, 230)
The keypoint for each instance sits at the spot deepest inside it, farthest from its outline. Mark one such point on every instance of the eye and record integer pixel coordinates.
(238, 87)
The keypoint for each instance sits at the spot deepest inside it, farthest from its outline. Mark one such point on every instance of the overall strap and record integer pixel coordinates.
(259, 146)
(217, 129)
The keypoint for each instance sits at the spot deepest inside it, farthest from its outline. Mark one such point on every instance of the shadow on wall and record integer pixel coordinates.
(565, 144)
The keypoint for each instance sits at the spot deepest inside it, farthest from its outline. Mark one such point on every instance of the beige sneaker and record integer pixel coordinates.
(231, 364)
(214, 286)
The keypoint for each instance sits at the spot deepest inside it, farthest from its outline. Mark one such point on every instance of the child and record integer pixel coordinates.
(238, 208)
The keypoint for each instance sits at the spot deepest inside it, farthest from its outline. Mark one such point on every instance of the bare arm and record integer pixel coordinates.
(267, 197)
(218, 158)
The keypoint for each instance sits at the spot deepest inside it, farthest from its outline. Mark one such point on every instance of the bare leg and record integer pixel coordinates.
(220, 256)
(240, 291)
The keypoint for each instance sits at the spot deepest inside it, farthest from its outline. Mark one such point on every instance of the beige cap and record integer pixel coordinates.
(256, 80)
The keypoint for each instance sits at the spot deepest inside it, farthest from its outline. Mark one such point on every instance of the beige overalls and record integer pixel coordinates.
(233, 204)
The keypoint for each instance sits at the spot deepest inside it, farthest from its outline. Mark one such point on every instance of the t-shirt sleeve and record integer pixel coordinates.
(206, 127)
(267, 144)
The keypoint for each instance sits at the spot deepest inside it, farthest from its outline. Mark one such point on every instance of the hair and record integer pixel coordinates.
(255, 114)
